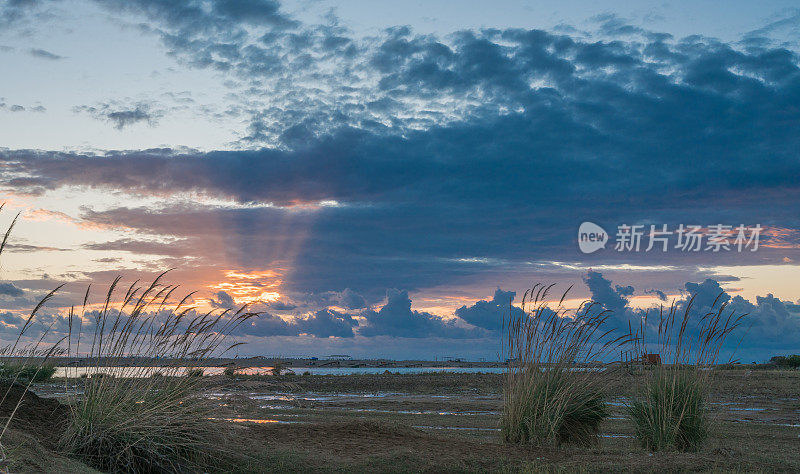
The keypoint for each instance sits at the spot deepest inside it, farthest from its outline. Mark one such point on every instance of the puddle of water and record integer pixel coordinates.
(423, 412)
(256, 420)
(770, 423)
(279, 397)
(310, 396)
(465, 428)
(396, 370)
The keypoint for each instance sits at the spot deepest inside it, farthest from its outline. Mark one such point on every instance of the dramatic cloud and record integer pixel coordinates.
(612, 299)
(397, 318)
(403, 160)
(267, 324)
(327, 323)
(770, 325)
(607, 120)
(491, 314)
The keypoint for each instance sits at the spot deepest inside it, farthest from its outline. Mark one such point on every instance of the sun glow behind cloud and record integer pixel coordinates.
(251, 287)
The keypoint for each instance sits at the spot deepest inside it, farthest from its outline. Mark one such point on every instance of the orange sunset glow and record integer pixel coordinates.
(251, 287)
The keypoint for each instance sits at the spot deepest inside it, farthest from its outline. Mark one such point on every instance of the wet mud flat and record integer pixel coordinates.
(454, 420)
(450, 422)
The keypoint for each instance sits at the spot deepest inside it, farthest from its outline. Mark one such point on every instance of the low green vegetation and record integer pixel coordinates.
(790, 362)
(671, 411)
(26, 372)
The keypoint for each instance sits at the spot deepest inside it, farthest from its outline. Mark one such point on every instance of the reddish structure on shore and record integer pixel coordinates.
(652, 359)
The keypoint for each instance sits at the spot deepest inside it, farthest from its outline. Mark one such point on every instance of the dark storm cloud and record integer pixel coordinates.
(266, 324)
(497, 186)
(280, 305)
(594, 116)
(352, 300)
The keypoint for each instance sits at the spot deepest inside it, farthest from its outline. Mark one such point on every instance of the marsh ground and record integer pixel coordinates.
(448, 422)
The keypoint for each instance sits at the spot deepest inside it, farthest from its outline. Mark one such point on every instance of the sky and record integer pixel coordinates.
(382, 179)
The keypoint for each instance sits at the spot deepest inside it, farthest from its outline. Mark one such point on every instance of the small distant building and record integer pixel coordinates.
(651, 359)
(339, 357)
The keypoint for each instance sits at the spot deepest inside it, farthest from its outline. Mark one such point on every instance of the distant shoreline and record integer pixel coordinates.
(261, 362)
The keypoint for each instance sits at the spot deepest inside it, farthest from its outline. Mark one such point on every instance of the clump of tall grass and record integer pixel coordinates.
(671, 412)
(128, 421)
(551, 395)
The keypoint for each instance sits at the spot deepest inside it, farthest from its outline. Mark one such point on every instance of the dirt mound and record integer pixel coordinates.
(42, 418)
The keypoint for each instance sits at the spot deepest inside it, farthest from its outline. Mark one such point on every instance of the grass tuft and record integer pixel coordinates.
(129, 420)
(551, 395)
(671, 410)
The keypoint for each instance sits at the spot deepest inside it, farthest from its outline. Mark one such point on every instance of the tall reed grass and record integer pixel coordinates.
(128, 421)
(552, 394)
(671, 411)
(22, 362)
